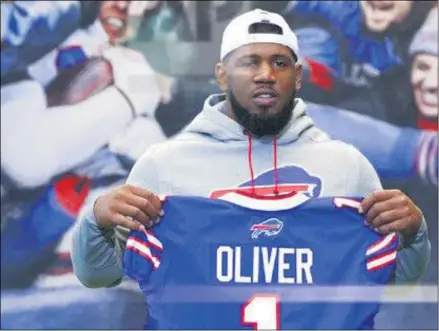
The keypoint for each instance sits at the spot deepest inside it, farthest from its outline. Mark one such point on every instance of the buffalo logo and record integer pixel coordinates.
(291, 179)
(269, 228)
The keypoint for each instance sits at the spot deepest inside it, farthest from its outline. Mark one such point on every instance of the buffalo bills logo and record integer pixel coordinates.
(269, 228)
(291, 179)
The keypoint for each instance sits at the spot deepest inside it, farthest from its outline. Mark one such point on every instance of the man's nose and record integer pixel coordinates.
(265, 74)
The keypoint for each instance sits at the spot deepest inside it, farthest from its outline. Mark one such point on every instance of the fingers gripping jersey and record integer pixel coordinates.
(214, 264)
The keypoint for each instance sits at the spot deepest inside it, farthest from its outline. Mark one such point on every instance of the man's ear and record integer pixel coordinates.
(299, 71)
(221, 76)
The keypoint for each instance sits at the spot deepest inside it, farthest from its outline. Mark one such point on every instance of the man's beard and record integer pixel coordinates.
(259, 125)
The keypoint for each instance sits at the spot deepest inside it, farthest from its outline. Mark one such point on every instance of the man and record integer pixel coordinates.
(255, 137)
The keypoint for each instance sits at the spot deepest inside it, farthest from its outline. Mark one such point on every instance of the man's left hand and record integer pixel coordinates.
(392, 211)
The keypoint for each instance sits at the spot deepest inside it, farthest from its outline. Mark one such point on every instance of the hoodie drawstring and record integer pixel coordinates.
(276, 172)
(250, 164)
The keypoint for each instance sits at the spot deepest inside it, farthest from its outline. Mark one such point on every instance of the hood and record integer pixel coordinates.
(213, 122)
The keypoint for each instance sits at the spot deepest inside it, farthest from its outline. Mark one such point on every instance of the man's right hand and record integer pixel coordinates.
(128, 206)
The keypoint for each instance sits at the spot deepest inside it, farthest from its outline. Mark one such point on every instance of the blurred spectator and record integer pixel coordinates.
(380, 15)
(30, 29)
(347, 45)
(399, 20)
(423, 78)
(407, 94)
(164, 35)
(53, 154)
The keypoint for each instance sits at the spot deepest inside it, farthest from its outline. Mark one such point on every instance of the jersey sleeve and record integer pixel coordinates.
(142, 255)
(382, 253)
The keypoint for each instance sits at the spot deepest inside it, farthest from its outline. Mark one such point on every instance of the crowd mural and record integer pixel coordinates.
(87, 87)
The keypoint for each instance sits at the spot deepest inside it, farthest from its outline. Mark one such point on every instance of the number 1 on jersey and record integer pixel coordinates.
(262, 312)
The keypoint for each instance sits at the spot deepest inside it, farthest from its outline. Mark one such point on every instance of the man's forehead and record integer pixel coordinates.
(262, 50)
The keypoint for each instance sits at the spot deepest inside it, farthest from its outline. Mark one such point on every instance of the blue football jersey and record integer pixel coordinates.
(292, 263)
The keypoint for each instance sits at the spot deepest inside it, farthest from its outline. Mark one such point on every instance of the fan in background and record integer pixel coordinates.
(161, 31)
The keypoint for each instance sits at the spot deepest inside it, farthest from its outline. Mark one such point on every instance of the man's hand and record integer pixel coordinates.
(128, 206)
(392, 211)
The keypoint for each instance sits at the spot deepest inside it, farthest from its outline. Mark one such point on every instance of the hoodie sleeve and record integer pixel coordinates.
(414, 252)
(96, 253)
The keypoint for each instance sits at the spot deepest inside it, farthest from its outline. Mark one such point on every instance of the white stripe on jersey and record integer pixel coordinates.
(381, 261)
(381, 244)
(153, 240)
(135, 244)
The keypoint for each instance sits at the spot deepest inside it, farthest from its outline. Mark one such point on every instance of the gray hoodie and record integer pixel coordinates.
(214, 154)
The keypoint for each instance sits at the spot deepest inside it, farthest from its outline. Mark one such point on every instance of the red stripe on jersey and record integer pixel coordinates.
(381, 261)
(142, 248)
(146, 256)
(382, 243)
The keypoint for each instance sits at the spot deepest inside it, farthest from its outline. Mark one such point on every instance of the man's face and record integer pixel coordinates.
(424, 84)
(260, 81)
(379, 15)
(114, 18)
(118, 17)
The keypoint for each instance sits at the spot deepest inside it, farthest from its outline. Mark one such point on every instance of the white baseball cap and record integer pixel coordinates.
(239, 33)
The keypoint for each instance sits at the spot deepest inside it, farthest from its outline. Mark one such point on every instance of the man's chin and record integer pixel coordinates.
(265, 111)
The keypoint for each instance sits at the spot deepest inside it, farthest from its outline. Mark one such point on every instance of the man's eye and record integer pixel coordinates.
(280, 63)
(248, 62)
